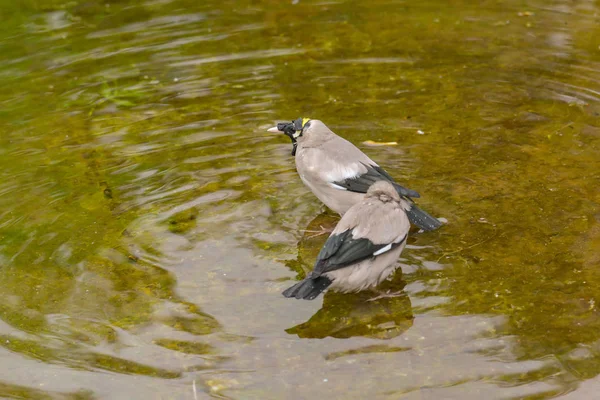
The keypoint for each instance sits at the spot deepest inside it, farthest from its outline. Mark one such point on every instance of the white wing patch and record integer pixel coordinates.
(341, 172)
(383, 250)
(333, 185)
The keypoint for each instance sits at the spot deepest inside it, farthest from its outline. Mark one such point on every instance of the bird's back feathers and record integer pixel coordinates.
(382, 223)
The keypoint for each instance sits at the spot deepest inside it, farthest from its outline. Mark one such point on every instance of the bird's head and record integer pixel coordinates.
(384, 191)
(297, 130)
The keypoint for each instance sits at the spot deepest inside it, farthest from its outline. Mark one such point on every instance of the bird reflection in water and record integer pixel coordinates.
(382, 313)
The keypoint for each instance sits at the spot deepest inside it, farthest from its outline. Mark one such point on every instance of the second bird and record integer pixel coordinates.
(363, 248)
(338, 173)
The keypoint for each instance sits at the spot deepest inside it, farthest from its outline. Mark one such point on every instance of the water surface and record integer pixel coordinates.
(148, 223)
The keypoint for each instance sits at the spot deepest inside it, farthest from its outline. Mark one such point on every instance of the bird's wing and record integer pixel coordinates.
(344, 167)
(360, 182)
(342, 249)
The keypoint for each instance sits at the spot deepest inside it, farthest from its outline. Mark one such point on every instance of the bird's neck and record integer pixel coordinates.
(317, 143)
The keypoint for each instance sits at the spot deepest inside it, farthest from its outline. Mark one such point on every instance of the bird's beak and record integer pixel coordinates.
(288, 129)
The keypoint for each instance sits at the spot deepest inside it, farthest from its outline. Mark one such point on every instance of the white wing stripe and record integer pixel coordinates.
(382, 250)
(333, 185)
(339, 172)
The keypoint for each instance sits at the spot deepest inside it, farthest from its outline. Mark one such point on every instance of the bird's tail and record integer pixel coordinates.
(308, 289)
(421, 219)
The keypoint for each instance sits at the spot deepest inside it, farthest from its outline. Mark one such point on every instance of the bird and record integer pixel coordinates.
(338, 172)
(363, 248)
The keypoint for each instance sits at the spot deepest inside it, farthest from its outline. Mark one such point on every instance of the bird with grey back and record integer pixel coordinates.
(363, 248)
(338, 173)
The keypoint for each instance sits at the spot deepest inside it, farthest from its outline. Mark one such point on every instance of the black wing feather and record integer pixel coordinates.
(342, 250)
(308, 288)
(360, 184)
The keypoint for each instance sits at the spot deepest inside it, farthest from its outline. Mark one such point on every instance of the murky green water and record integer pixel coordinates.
(148, 223)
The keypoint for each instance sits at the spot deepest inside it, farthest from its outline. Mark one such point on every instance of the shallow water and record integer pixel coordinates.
(148, 223)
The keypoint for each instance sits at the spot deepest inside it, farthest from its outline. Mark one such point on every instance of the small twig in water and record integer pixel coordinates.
(316, 233)
(560, 129)
(468, 247)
